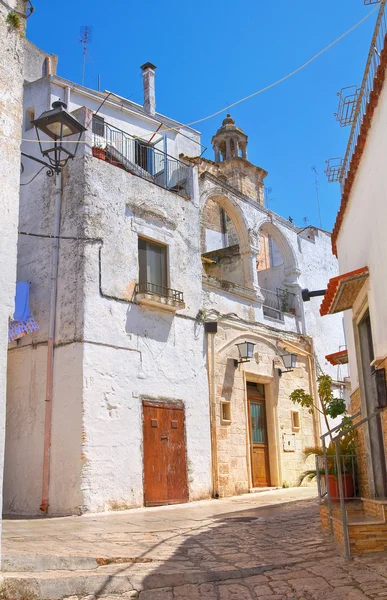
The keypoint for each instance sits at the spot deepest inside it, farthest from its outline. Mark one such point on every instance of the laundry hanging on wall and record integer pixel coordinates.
(22, 322)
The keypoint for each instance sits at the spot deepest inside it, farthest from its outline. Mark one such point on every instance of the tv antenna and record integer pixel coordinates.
(85, 38)
(317, 194)
(268, 196)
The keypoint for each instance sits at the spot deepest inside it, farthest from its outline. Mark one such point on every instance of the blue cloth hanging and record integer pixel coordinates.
(22, 301)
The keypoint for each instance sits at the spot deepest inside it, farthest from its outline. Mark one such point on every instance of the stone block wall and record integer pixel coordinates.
(233, 438)
(361, 456)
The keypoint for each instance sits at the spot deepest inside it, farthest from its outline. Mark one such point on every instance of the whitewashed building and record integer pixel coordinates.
(12, 28)
(154, 247)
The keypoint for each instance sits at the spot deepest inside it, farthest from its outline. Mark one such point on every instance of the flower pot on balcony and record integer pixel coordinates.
(99, 152)
(333, 484)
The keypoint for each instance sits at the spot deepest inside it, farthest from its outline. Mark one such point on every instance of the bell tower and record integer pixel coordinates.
(229, 141)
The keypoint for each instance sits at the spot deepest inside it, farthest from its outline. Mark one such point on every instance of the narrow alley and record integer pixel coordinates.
(256, 546)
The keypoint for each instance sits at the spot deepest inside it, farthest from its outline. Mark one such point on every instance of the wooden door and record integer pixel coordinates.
(258, 438)
(165, 464)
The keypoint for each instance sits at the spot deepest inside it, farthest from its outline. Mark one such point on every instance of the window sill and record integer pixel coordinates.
(159, 302)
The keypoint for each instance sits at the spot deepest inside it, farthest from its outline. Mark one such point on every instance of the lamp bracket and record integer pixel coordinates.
(50, 169)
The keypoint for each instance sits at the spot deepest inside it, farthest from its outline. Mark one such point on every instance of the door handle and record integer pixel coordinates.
(164, 437)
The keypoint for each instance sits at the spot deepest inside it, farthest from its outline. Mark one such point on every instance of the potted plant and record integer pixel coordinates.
(348, 465)
(330, 407)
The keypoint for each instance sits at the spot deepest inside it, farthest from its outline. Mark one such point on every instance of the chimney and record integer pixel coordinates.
(148, 79)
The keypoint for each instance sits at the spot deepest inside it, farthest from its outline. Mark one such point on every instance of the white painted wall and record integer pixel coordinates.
(11, 90)
(112, 353)
(362, 240)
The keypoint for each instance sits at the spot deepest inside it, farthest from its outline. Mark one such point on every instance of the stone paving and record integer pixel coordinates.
(265, 546)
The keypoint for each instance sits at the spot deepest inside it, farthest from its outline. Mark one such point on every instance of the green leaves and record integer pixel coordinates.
(300, 397)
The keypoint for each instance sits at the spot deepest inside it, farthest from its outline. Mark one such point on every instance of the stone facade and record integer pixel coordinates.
(11, 93)
(252, 286)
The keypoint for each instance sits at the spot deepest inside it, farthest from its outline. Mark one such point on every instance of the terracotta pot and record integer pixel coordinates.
(348, 489)
(99, 152)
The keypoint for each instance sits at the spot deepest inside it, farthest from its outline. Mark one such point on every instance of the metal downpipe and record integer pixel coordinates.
(50, 346)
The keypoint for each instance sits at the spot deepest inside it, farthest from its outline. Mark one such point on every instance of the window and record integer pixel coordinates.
(98, 126)
(295, 420)
(152, 260)
(30, 116)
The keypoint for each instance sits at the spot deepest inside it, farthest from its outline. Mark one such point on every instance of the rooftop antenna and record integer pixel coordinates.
(317, 194)
(305, 221)
(85, 37)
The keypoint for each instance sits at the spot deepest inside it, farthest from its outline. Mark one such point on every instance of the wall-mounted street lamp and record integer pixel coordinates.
(290, 362)
(246, 352)
(59, 134)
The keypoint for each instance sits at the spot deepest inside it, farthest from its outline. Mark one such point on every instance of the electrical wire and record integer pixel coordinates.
(266, 88)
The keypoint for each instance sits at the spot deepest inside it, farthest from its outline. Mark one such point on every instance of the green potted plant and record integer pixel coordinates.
(330, 407)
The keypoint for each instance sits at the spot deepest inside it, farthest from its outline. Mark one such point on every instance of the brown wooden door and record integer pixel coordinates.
(165, 465)
(259, 444)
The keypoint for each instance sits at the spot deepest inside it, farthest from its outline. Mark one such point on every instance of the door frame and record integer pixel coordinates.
(356, 321)
(249, 398)
(171, 405)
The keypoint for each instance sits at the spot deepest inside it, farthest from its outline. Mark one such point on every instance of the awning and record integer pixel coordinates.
(338, 358)
(342, 291)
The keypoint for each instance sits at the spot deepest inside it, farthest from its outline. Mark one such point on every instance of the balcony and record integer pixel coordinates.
(157, 296)
(278, 303)
(134, 156)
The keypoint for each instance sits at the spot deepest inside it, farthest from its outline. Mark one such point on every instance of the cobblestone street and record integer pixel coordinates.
(266, 546)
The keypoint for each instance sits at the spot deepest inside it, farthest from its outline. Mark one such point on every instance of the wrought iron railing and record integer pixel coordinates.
(142, 159)
(275, 304)
(145, 287)
(343, 468)
(373, 61)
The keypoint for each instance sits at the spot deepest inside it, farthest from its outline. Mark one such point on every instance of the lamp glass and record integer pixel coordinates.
(246, 350)
(290, 360)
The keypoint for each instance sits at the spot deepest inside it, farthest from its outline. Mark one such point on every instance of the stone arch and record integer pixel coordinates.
(232, 210)
(289, 257)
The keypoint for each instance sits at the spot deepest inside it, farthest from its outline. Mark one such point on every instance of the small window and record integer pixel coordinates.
(295, 420)
(225, 408)
(98, 126)
(152, 260)
(30, 116)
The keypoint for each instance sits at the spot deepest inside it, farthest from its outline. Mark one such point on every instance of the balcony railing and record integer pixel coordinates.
(145, 287)
(275, 304)
(373, 62)
(146, 161)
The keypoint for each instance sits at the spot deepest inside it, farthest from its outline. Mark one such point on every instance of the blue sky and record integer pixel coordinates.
(210, 53)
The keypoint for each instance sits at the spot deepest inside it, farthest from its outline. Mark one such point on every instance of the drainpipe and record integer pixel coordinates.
(50, 346)
(212, 386)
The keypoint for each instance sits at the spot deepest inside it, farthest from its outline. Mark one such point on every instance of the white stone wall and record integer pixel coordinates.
(362, 240)
(11, 89)
(110, 353)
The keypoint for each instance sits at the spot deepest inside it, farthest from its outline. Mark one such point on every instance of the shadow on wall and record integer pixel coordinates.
(233, 550)
(150, 324)
(228, 381)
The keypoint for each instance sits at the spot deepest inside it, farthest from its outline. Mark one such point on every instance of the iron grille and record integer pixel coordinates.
(334, 170)
(142, 159)
(348, 98)
(145, 287)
